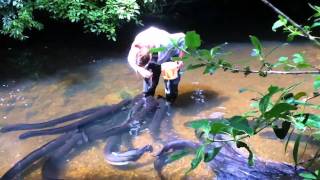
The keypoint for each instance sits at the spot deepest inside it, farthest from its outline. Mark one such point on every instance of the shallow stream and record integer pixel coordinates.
(109, 80)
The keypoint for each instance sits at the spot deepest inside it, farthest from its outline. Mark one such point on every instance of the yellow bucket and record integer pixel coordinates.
(169, 70)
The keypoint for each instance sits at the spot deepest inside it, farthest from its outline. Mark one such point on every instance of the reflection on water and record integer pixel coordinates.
(111, 80)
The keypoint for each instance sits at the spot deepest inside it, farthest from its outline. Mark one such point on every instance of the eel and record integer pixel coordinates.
(122, 158)
(54, 164)
(54, 122)
(35, 155)
(90, 119)
(159, 115)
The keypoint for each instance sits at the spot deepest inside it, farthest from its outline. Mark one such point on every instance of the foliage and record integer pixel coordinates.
(280, 108)
(309, 175)
(97, 16)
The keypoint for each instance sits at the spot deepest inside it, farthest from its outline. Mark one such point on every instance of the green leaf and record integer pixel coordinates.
(220, 127)
(204, 54)
(265, 100)
(241, 144)
(159, 49)
(255, 53)
(199, 157)
(281, 22)
(295, 151)
(307, 175)
(298, 58)
(316, 83)
(278, 109)
(283, 59)
(282, 132)
(316, 24)
(199, 124)
(241, 123)
(194, 66)
(192, 40)
(256, 43)
(313, 121)
(299, 95)
(178, 155)
(211, 154)
(210, 69)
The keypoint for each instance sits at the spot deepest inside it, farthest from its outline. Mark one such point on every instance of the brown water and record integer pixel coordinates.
(104, 82)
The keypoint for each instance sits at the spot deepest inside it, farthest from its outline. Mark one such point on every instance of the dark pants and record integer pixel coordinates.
(150, 84)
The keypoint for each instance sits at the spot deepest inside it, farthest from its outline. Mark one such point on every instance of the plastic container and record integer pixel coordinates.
(170, 70)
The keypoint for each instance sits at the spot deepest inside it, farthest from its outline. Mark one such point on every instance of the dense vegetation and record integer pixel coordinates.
(97, 16)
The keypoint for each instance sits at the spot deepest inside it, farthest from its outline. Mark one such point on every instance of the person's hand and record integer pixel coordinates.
(180, 64)
(144, 73)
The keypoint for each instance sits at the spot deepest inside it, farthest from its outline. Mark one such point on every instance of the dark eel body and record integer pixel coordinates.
(114, 157)
(230, 163)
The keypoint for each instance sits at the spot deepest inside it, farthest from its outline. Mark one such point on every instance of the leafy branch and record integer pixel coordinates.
(295, 29)
(279, 108)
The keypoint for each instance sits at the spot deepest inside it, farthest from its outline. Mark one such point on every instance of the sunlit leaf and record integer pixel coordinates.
(316, 24)
(199, 124)
(265, 100)
(198, 158)
(241, 123)
(220, 127)
(316, 83)
(281, 22)
(313, 121)
(278, 109)
(307, 175)
(256, 43)
(255, 53)
(296, 149)
(211, 154)
(192, 40)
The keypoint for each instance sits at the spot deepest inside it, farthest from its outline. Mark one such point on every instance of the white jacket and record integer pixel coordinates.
(155, 37)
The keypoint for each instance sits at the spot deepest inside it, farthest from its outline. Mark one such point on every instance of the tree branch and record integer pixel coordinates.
(236, 70)
(305, 32)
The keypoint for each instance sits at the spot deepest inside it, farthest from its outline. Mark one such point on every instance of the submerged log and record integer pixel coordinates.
(230, 163)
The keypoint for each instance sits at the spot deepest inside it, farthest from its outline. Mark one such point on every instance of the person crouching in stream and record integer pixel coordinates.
(151, 65)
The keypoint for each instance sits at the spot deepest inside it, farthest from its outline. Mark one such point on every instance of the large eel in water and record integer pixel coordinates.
(230, 163)
(85, 131)
(94, 117)
(53, 122)
(116, 158)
